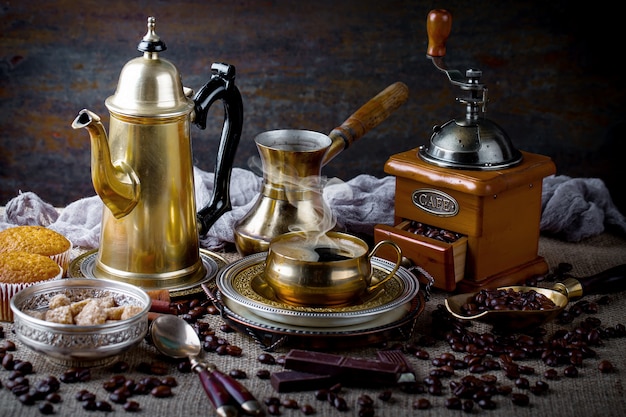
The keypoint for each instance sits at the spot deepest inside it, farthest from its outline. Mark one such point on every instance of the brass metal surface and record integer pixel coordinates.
(292, 161)
(300, 275)
(83, 266)
(241, 287)
(143, 170)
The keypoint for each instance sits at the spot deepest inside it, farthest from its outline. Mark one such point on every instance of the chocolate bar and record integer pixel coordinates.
(347, 370)
(290, 381)
(397, 357)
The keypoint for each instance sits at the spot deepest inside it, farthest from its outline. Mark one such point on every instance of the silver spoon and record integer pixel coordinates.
(174, 337)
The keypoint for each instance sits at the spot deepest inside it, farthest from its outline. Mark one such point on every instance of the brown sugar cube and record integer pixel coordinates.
(93, 313)
(59, 300)
(62, 315)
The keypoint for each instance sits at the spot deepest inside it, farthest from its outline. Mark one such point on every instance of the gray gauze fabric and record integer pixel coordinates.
(572, 208)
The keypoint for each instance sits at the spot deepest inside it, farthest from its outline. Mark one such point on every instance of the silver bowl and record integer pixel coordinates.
(73, 345)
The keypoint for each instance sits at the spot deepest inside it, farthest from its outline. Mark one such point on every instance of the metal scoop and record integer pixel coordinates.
(174, 337)
(608, 281)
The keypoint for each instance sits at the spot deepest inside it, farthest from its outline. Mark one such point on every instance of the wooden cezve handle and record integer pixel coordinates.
(370, 115)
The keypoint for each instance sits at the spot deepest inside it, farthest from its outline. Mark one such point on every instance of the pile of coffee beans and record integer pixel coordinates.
(433, 232)
(506, 299)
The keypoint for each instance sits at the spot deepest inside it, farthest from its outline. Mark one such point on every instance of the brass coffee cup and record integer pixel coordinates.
(328, 270)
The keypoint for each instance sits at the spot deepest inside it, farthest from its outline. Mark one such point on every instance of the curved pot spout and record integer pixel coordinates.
(116, 184)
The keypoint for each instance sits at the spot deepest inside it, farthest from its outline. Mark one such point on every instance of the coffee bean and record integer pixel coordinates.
(520, 399)
(161, 391)
(170, 381)
(273, 409)
(467, 406)
(103, 406)
(551, 374)
(522, 383)
(120, 366)
(340, 404)
(232, 350)
(289, 403)
(118, 397)
(307, 409)
(385, 395)
(570, 371)
(90, 405)
(53, 397)
(266, 358)
(453, 403)
(24, 367)
(46, 408)
(8, 346)
(132, 406)
(263, 374)
(422, 354)
(321, 394)
(159, 368)
(271, 400)
(606, 367)
(238, 373)
(365, 401)
(8, 361)
(421, 404)
(487, 404)
(84, 395)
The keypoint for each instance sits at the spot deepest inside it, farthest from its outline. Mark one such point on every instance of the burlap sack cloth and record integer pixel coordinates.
(592, 393)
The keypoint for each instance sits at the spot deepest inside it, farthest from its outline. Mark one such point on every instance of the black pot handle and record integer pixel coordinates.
(221, 86)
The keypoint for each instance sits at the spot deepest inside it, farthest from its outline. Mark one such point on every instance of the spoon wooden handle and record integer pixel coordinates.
(239, 393)
(218, 395)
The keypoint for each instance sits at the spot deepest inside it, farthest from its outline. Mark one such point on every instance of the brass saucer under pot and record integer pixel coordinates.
(83, 267)
(242, 289)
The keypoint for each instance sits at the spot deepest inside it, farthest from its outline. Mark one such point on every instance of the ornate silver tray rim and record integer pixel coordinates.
(323, 317)
(379, 321)
(83, 267)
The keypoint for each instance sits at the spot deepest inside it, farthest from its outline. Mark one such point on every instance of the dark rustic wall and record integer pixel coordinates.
(552, 71)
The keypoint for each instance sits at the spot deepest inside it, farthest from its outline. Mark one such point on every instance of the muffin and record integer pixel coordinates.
(39, 240)
(19, 270)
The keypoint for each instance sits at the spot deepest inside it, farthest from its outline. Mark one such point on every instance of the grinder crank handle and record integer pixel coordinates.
(370, 115)
(607, 281)
(438, 27)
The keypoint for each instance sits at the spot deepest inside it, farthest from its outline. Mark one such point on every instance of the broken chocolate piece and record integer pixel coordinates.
(347, 370)
(397, 357)
(291, 381)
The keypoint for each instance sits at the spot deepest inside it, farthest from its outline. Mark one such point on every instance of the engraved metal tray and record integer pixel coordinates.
(244, 292)
(83, 267)
(271, 336)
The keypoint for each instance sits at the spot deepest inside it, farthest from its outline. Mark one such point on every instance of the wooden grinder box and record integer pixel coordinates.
(497, 211)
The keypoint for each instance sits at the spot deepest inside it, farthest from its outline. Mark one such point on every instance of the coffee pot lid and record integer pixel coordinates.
(150, 86)
(472, 141)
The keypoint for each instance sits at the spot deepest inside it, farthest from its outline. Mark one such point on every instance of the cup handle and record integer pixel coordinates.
(395, 268)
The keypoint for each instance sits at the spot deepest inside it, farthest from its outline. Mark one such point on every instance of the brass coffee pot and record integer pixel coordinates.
(291, 198)
(143, 171)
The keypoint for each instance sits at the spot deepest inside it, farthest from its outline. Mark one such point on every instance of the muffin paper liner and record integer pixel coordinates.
(8, 291)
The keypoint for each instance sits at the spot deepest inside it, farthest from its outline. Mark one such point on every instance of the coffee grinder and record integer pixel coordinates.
(467, 204)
